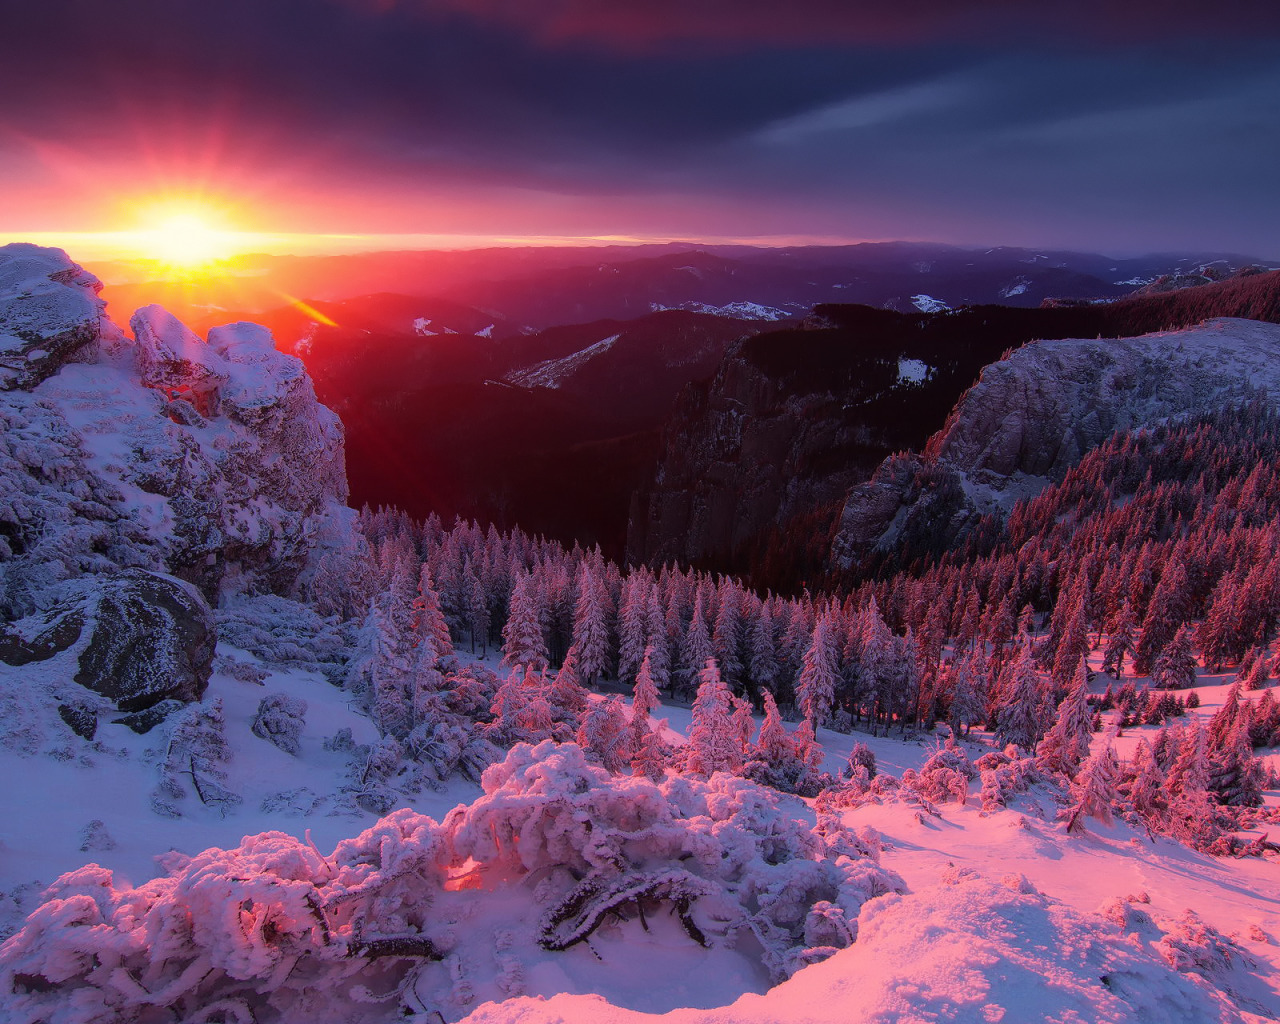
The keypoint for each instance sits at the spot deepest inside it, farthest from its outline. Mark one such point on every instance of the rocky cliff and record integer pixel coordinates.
(1032, 415)
(755, 467)
(207, 459)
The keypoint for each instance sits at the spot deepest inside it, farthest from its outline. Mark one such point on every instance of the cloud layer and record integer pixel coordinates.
(990, 122)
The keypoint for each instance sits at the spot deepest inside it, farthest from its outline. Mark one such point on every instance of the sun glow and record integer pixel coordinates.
(187, 240)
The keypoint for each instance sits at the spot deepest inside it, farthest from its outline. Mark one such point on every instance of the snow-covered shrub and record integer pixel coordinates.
(244, 671)
(1004, 774)
(1189, 944)
(285, 634)
(720, 851)
(269, 930)
(279, 720)
(945, 775)
(274, 930)
(196, 751)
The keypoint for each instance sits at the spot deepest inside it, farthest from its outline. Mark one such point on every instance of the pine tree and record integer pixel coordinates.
(1147, 789)
(1167, 611)
(522, 639)
(1120, 640)
(1235, 775)
(657, 642)
(428, 624)
(1094, 790)
(567, 697)
(725, 639)
(196, 752)
(604, 735)
(968, 696)
(697, 644)
(773, 746)
(1019, 719)
(644, 701)
(816, 685)
(651, 757)
(1175, 666)
(590, 628)
(713, 745)
(632, 627)
(763, 655)
(1073, 645)
(1066, 744)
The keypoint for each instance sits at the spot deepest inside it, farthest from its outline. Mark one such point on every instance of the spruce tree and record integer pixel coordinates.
(1094, 790)
(816, 685)
(714, 744)
(590, 627)
(1066, 744)
(1019, 719)
(522, 640)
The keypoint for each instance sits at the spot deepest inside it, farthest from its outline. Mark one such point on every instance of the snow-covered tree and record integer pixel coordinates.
(590, 627)
(819, 674)
(1019, 720)
(714, 744)
(1066, 744)
(522, 640)
(195, 754)
(1175, 665)
(1121, 638)
(604, 735)
(1094, 791)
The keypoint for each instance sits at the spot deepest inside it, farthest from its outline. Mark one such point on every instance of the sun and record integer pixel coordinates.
(187, 240)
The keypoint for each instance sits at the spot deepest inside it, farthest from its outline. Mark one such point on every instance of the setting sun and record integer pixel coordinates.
(188, 240)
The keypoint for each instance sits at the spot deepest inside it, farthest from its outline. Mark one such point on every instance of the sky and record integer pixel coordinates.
(1123, 127)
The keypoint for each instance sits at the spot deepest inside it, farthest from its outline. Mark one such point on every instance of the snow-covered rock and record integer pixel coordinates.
(1034, 414)
(928, 304)
(49, 313)
(137, 637)
(212, 461)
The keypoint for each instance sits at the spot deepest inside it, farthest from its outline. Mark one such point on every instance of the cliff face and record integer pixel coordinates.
(1032, 415)
(755, 466)
(210, 460)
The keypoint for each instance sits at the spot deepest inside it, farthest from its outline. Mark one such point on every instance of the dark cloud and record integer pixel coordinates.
(727, 118)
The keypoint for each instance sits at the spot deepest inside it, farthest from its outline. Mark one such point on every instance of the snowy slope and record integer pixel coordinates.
(551, 372)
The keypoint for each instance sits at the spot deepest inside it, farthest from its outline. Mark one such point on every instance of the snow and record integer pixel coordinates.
(551, 373)
(422, 327)
(913, 371)
(928, 304)
(486, 332)
(1017, 287)
(737, 310)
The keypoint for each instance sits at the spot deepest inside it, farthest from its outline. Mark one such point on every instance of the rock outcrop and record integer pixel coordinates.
(1034, 414)
(50, 313)
(208, 460)
(137, 637)
(755, 467)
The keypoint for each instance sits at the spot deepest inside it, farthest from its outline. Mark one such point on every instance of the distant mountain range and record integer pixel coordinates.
(540, 287)
(541, 387)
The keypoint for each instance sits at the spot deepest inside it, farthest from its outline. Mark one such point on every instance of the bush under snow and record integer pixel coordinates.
(275, 930)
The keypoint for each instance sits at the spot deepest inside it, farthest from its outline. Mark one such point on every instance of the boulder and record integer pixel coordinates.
(50, 314)
(138, 637)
